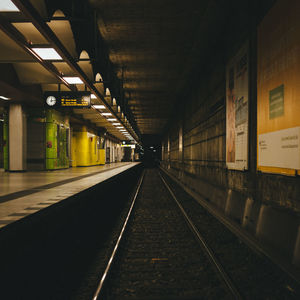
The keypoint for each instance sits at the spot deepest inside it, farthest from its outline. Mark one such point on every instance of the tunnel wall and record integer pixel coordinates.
(194, 151)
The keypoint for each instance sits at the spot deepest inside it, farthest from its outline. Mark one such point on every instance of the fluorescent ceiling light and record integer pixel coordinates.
(116, 124)
(4, 98)
(8, 6)
(106, 114)
(120, 127)
(111, 119)
(73, 80)
(93, 96)
(47, 53)
(99, 106)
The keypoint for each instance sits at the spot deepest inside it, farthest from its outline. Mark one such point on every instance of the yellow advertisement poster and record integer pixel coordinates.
(278, 89)
(237, 110)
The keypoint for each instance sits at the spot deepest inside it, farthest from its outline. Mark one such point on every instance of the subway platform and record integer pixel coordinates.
(22, 194)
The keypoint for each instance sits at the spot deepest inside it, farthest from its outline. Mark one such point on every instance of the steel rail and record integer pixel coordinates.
(102, 281)
(227, 280)
(241, 233)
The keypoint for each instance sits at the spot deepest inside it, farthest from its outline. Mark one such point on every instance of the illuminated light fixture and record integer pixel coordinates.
(106, 114)
(116, 124)
(73, 80)
(47, 53)
(8, 6)
(120, 127)
(111, 119)
(4, 98)
(90, 135)
(99, 106)
(93, 96)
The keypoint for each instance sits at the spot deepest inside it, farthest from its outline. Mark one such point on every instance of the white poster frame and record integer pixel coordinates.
(237, 110)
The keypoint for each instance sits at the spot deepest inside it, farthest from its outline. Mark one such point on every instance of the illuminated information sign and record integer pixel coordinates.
(68, 99)
(128, 145)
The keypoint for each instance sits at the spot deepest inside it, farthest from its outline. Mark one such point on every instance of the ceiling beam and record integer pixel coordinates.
(18, 38)
(27, 8)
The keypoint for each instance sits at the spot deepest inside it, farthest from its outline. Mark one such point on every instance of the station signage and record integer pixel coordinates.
(67, 99)
(128, 145)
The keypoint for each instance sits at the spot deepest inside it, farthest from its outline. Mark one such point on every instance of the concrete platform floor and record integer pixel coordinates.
(25, 193)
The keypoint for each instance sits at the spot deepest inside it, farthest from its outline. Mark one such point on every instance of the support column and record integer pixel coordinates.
(17, 138)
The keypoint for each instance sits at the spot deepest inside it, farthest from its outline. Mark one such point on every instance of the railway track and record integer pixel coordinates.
(160, 258)
(58, 252)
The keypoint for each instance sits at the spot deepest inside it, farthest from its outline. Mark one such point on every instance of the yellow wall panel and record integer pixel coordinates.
(102, 156)
(85, 150)
(73, 150)
(279, 64)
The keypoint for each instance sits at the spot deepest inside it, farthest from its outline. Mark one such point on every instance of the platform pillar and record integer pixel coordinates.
(17, 138)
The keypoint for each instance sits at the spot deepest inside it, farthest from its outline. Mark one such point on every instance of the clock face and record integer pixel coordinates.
(51, 100)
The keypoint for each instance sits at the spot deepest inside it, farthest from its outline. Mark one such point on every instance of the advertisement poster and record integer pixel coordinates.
(286, 142)
(237, 107)
(278, 89)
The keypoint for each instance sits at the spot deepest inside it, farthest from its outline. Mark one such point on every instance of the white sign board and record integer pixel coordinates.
(237, 110)
(280, 149)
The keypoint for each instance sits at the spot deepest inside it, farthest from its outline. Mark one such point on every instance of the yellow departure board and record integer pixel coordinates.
(83, 101)
(68, 99)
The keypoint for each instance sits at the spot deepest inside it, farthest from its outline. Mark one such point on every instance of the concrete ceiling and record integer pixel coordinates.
(25, 76)
(150, 43)
(157, 46)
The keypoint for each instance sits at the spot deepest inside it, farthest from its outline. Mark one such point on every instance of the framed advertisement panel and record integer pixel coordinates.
(278, 90)
(237, 110)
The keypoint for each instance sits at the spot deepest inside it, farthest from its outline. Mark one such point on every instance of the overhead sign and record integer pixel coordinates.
(68, 99)
(128, 145)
